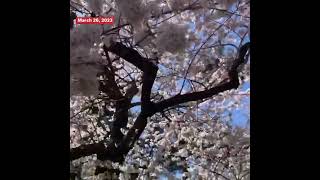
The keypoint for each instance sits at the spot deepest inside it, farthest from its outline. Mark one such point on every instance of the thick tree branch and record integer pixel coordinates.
(149, 69)
(130, 55)
(231, 84)
(147, 108)
(86, 150)
(117, 153)
(109, 86)
(100, 170)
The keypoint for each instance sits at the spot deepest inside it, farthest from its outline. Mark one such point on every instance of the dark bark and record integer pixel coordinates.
(86, 150)
(117, 152)
(100, 170)
(122, 103)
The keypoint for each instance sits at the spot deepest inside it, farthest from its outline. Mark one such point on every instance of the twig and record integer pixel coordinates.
(184, 79)
(84, 109)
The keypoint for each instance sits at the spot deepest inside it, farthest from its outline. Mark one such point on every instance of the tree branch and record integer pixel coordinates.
(147, 108)
(130, 55)
(116, 153)
(86, 150)
(231, 84)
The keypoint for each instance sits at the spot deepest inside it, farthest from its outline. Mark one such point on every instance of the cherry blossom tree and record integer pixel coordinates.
(152, 95)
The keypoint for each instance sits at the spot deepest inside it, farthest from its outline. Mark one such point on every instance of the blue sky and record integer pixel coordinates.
(239, 116)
